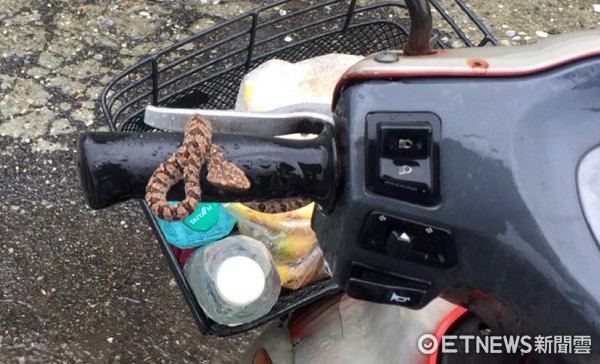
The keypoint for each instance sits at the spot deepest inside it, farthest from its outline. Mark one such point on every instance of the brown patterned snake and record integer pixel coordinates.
(197, 150)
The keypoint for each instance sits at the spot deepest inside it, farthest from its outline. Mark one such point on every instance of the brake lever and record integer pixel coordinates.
(299, 118)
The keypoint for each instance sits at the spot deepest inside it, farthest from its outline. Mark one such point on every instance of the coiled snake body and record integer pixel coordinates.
(197, 150)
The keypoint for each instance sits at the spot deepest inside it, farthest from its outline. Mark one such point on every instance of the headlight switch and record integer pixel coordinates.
(403, 156)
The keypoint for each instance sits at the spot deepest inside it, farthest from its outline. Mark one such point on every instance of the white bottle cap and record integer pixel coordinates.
(240, 280)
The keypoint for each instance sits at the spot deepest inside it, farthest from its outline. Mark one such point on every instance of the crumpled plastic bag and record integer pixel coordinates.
(278, 83)
(288, 236)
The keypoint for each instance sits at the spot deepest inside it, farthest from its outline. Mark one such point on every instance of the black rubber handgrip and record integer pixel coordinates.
(115, 167)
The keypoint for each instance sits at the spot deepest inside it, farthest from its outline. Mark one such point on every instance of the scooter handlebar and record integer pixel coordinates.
(115, 166)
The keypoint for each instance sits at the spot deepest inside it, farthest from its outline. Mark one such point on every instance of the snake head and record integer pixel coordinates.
(227, 176)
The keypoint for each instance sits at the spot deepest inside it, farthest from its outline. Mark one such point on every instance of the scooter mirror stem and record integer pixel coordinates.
(419, 36)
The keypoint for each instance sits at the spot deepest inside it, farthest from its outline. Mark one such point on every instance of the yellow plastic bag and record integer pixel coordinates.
(289, 238)
(277, 83)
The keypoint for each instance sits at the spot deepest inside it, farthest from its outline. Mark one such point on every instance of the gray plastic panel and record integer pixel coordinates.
(509, 154)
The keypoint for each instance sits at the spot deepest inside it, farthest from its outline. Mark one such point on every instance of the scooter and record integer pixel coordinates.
(457, 190)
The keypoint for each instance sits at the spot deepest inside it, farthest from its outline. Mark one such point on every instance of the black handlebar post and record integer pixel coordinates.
(115, 167)
(421, 25)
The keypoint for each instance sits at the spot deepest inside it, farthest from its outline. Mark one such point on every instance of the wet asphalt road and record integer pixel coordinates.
(78, 285)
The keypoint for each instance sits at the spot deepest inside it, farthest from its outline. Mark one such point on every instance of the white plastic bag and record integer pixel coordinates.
(278, 83)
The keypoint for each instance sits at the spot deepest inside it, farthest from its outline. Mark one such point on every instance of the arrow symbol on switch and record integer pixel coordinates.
(404, 237)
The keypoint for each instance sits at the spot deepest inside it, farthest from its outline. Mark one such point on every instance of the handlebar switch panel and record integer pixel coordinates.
(403, 156)
(407, 240)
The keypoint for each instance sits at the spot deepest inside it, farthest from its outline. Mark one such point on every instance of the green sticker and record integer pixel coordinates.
(204, 218)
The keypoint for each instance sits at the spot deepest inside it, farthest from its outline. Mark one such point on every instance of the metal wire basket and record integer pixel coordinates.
(204, 71)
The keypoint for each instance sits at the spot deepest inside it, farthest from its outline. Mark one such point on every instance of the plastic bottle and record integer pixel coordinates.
(234, 280)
